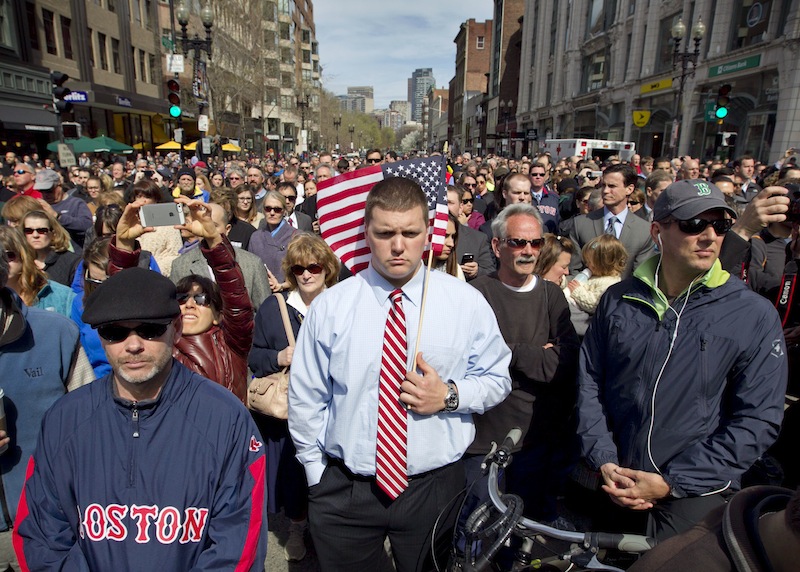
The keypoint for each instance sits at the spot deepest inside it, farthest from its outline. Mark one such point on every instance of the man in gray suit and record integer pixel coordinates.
(614, 218)
(254, 271)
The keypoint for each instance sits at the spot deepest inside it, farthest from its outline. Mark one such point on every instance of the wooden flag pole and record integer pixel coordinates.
(422, 305)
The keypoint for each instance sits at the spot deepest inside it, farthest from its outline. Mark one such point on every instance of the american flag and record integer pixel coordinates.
(341, 202)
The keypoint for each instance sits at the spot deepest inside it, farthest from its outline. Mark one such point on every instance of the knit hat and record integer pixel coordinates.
(186, 171)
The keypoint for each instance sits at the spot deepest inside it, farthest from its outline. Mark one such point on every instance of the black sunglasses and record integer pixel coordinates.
(469, 185)
(373, 160)
(114, 333)
(22, 172)
(292, 198)
(275, 210)
(537, 174)
(42, 230)
(199, 299)
(467, 201)
(521, 242)
(315, 268)
(698, 225)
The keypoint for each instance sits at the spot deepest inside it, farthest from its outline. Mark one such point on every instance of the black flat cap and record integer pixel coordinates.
(132, 295)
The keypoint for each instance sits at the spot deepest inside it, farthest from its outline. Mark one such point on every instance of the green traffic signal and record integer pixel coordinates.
(174, 111)
(721, 112)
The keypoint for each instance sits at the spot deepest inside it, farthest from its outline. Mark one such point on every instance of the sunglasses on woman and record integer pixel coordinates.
(298, 270)
(42, 230)
(199, 299)
(115, 333)
(12, 256)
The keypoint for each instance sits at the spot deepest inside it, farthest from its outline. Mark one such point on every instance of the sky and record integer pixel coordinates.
(380, 43)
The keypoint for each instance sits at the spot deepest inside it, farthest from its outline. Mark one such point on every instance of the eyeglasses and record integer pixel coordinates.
(697, 225)
(200, 299)
(315, 268)
(293, 164)
(275, 210)
(373, 160)
(27, 230)
(467, 201)
(114, 333)
(481, 182)
(292, 198)
(234, 178)
(537, 174)
(521, 242)
(634, 203)
(22, 172)
(12, 256)
(469, 185)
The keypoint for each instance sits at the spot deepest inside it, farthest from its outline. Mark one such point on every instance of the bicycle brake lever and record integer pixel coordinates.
(588, 560)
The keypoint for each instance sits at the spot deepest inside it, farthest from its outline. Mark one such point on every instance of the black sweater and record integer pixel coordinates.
(542, 398)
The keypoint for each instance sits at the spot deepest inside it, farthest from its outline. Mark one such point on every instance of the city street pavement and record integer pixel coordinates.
(276, 562)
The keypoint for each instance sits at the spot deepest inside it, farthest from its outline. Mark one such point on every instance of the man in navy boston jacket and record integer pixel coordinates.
(152, 467)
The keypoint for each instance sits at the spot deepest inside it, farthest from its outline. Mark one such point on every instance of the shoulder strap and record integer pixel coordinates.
(285, 315)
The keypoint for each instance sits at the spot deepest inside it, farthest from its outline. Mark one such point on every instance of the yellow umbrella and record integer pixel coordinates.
(169, 146)
(190, 146)
(231, 147)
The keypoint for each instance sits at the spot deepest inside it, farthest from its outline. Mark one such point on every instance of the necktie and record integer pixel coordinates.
(610, 228)
(390, 455)
(291, 223)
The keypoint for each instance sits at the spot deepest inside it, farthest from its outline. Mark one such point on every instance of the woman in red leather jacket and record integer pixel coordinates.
(217, 317)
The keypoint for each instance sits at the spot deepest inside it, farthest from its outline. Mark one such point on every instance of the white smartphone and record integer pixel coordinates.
(161, 214)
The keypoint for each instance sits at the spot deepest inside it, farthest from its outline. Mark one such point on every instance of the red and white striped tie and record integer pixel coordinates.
(390, 456)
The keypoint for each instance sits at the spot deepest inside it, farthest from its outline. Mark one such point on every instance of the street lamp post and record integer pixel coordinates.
(302, 105)
(682, 60)
(505, 111)
(351, 129)
(337, 122)
(197, 45)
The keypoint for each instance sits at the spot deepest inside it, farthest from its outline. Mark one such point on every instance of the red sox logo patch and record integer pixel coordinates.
(255, 444)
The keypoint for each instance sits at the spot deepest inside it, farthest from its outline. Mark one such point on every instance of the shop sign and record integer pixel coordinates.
(641, 117)
(77, 97)
(735, 66)
(124, 102)
(665, 83)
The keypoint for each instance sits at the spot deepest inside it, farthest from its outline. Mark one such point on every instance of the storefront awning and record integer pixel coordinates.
(27, 119)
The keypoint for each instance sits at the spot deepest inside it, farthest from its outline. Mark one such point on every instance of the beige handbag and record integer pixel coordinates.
(269, 395)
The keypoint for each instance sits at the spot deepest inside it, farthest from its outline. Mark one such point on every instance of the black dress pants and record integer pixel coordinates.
(349, 518)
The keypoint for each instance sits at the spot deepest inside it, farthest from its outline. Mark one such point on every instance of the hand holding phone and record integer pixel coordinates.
(468, 257)
(162, 214)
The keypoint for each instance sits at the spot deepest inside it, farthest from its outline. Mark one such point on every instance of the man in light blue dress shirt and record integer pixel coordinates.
(462, 368)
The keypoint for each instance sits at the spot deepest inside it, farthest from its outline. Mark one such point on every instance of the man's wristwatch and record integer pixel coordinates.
(451, 399)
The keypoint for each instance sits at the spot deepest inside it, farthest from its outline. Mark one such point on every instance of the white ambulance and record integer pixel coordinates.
(588, 148)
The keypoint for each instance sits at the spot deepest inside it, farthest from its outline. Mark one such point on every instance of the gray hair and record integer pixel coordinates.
(323, 166)
(500, 222)
(595, 199)
(236, 170)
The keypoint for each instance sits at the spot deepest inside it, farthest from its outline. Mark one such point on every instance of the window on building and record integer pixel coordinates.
(479, 42)
(600, 16)
(666, 45)
(315, 47)
(270, 11)
(66, 36)
(287, 79)
(272, 95)
(306, 56)
(90, 35)
(136, 12)
(102, 50)
(306, 36)
(7, 36)
(148, 9)
(151, 68)
(112, 5)
(553, 30)
(595, 71)
(286, 31)
(287, 101)
(142, 66)
(136, 75)
(750, 23)
(49, 31)
(33, 30)
(115, 55)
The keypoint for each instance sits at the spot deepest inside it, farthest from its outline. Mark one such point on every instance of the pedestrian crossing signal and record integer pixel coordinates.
(174, 98)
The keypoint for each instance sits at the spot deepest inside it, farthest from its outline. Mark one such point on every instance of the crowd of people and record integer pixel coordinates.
(631, 317)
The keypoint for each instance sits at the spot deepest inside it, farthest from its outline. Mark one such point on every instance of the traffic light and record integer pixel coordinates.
(723, 100)
(60, 92)
(174, 98)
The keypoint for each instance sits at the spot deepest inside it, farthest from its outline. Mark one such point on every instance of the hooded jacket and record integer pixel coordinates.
(693, 390)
